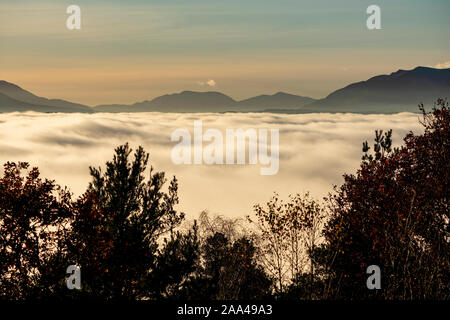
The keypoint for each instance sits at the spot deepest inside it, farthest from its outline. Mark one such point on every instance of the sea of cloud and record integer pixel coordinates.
(315, 151)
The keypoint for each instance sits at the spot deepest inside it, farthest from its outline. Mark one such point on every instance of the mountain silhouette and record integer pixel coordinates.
(14, 98)
(188, 101)
(278, 100)
(8, 104)
(400, 91)
(211, 101)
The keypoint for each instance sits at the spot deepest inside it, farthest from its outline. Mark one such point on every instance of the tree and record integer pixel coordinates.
(288, 232)
(175, 264)
(34, 215)
(118, 225)
(228, 269)
(394, 213)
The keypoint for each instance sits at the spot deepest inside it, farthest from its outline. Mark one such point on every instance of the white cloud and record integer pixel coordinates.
(209, 83)
(315, 150)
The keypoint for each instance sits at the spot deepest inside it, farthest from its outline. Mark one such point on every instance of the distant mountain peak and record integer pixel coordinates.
(424, 68)
(399, 72)
(6, 84)
(29, 101)
(400, 91)
(202, 92)
(419, 69)
(193, 93)
(279, 100)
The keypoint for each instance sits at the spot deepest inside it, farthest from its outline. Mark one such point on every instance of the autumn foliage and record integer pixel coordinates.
(130, 242)
(394, 213)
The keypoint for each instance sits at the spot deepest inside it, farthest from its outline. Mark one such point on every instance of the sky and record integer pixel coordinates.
(129, 51)
(315, 151)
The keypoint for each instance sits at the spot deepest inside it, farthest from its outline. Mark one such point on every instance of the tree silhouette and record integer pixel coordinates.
(117, 226)
(288, 231)
(228, 268)
(394, 213)
(33, 219)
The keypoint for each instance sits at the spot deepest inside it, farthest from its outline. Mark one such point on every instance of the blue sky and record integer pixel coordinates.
(128, 51)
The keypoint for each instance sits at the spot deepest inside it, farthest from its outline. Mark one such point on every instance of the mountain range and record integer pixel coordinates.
(400, 91)
(190, 101)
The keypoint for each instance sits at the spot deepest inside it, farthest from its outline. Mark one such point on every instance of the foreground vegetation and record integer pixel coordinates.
(131, 243)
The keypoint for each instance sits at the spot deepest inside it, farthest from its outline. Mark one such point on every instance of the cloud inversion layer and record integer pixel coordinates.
(315, 150)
